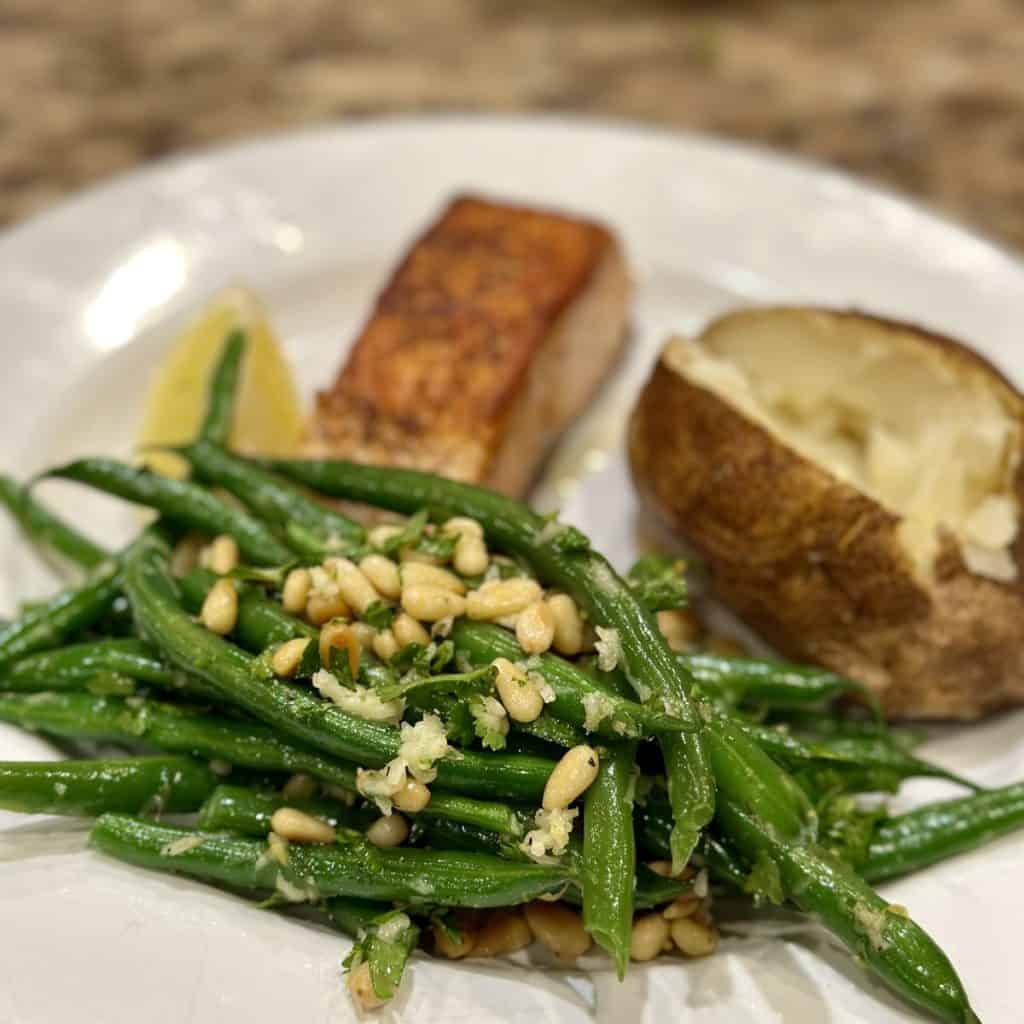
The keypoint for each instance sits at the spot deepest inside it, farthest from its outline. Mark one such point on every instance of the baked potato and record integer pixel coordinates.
(853, 485)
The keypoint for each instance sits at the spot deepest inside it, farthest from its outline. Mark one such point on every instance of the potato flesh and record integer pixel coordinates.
(930, 438)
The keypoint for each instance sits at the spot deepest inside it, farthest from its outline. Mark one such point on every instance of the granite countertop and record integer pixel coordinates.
(923, 95)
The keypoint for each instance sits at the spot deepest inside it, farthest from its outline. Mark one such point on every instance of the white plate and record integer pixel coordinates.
(92, 292)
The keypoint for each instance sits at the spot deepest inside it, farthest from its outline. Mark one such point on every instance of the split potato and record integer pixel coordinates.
(854, 486)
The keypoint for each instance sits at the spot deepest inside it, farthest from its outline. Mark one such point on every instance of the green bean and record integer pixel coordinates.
(262, 622)
(220, 408)
(909, 842)
(551, 730)
(181, 502)
(353, 867)
(858, 752)
(294, 711)
(171, 728)
(276, 500)
(896, 948)
(45, 529)
(134, 784)
(580, 698)
(609, 854)
(50, 623)
(561, 557)
(248, 811)
(72, 667)
(770, 683)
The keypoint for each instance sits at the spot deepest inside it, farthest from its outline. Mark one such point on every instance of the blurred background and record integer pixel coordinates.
(923, 95)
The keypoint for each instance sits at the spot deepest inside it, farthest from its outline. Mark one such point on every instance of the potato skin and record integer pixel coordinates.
(816, 567)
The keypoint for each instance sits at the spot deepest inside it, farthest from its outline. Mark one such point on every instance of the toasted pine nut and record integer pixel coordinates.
(408, 631)
(221, 556)
(295, 592)
(360, 987)
(339, 635)
(445, 946)
(383, 574)
(518, 692)
(664, 868)
(389, 830)
(411, 556)
(300, 787)
(428, 604)
(364, 633)
(385, 646)
(416, 573)
(412, 797)
(357, 591)
(503, 932)
(692, 938)
(220, 609)
(288, 657)
(299, 827)
(558, 928)
(470, 556)
(650, 933)
(683, 906)
(378, 536)
(535, 628)
(321, 609)
(186, 554)
(568, 638)
(681, 629)
(507, 621)
(502, 597)
(571, 777)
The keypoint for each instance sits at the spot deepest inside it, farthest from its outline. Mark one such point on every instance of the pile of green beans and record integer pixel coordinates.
(746, 769)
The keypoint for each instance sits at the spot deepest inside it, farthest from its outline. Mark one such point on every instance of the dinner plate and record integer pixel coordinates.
(92, 293)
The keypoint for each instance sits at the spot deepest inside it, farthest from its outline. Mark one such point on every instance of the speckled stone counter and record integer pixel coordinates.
(925, 96)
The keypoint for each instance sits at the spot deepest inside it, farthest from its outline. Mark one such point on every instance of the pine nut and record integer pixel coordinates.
(357, 591)
(411, 556)
(470, 556)
(339, 635)
(186, 554)
(416, 573)
(321, 608)
(295, 592)
(288, 657)
(507, 622)
(502, 597)
(360, 987)
(692, 938)
(558, 928)
(380, 535)
(220, 609)
(412, 797)
(446, 946)
(300, 787)
(408, 631)
(503, 932)
(299, 827)
(428, 604)
(385, 646)
(535, 628)
(520, 694)
(221, 556)
(364, 633)
(568, 638)
(383, 574)
(681, 629)
(570, 778)
(650, 933)
(387, 831)
(664, 868)
(683, 906)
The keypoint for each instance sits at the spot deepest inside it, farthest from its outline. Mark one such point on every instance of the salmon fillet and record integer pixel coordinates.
(489, 339)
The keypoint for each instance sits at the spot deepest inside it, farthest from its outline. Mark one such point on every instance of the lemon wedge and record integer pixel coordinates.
(268, 418)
